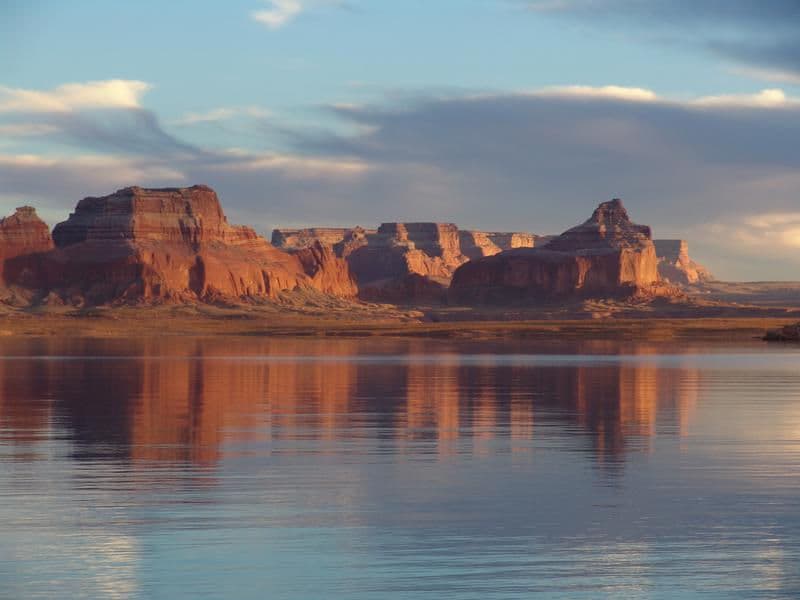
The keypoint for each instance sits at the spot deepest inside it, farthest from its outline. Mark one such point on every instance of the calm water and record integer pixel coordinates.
(307, 469)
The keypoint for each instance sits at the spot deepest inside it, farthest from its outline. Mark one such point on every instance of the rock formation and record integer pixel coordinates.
(24, 239)
(405, 262)
(294, 239)
(173, 244)
(329, 273)
(607, 256)
(675, 265)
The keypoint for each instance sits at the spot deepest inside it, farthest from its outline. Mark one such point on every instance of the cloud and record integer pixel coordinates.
(762, 34)
(223, 114)
(279, 13)
(536, 160)
(771, 98)
(292, 165)
(614, 92)
(55, 183)
(112, 93)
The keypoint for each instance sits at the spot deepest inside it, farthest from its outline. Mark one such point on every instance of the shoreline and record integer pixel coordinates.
(133, 322)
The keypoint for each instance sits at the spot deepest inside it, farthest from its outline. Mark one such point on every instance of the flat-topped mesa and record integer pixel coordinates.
(676, 266)
(606, 256)
(24, 238)
(142, 244)
(186, 215)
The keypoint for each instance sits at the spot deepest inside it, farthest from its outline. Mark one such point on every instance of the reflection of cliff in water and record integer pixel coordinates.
(195, 400)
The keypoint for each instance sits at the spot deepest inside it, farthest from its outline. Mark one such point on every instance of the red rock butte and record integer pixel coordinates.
(175, 244)
(606, 256)
(24, 239)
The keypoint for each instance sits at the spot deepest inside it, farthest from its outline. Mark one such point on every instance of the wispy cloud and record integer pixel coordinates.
(111, 93)
(223, 114)
(279, 13)
(771, 98)
(614, 92)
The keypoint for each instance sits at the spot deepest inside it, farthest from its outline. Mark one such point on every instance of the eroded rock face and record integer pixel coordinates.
(24, 238)
(477, 244)
(143, 244)
(606, 256)
(675, 265)
(329, 273)
(295, 239)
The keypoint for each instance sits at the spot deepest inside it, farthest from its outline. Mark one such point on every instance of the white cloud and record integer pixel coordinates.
(91, 169)
(769, 98)
(279, 13)
(111, 93)
(294, 165)
(612, 92)
(770, 234)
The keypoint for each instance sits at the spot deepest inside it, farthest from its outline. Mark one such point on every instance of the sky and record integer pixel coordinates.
(493, 114)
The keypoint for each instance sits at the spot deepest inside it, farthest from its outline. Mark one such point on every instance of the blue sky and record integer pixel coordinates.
(496, 114)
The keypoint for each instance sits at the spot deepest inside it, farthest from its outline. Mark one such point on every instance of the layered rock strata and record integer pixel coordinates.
(143, 244)
(606, 256)
(389, 261)
(24, 239)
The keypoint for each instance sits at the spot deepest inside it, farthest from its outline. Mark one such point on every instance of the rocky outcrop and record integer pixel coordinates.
(675, 265)
(477, 244)
(24, 239)
(607, 256)
(383, 260)
(418, 259)
(165, 244)
(329, 273)
(295, 239)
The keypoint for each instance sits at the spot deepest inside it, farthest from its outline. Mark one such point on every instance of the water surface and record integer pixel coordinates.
(303, 469)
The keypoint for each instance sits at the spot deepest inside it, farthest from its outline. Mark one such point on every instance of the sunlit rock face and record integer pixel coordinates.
(329, 273)
(165, 244)
(404, 262)
(606, 256)
(24, 238)
(676, 266)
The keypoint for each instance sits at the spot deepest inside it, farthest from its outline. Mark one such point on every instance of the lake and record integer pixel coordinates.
(394, 469)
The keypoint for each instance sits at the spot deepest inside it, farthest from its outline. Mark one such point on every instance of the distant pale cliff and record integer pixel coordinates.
(675, 265)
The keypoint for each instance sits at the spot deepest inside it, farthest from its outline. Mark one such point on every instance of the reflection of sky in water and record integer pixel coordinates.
(356, 469)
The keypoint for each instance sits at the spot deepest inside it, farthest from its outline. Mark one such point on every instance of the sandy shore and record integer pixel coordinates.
(129, 322)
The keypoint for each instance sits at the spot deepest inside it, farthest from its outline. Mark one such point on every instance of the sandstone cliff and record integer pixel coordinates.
(607, 256)
(329, 273)
(24, 238)
(675, 265)
(405, 262)
(295, 239)
(169, 244)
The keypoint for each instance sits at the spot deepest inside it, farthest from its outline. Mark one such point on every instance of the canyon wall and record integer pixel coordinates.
(24, 240)
(606, 256)
(166, 244)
